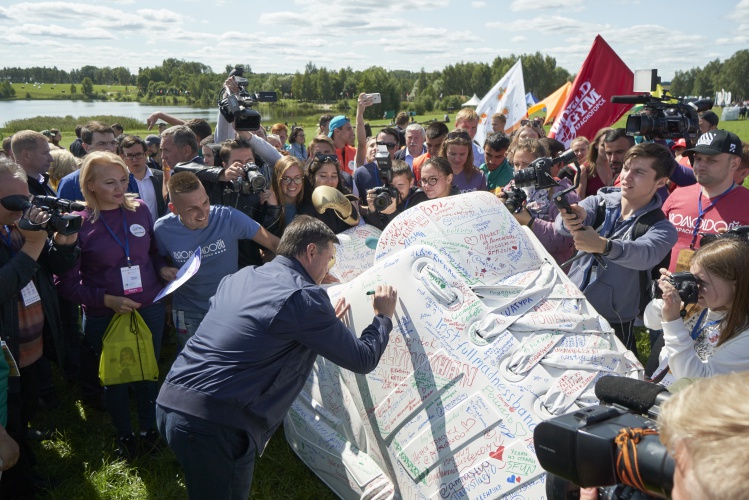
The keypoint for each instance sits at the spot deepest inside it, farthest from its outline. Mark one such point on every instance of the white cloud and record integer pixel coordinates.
(518, 39)
(478, 5)
(522, 5)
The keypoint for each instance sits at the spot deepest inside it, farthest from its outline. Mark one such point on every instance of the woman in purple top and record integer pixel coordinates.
(118, 272)
(458, 151)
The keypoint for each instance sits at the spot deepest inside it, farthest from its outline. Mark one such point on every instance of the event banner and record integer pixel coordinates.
(588, 107)
(506, 97)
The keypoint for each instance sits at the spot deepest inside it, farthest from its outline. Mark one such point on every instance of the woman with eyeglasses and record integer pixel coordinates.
(437, 178)
(458, 151)
(340, 211)
(297, 147)
(118, 273)
(288, 185)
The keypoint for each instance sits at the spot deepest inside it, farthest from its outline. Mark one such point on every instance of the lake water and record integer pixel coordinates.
(19, 109)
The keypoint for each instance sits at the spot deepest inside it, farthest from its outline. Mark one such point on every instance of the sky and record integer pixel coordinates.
(281, 37)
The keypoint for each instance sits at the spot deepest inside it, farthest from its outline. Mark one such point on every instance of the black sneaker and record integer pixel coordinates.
(151, 442)
(127, 447)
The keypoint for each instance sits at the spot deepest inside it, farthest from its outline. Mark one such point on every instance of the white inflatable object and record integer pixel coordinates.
(490, 337)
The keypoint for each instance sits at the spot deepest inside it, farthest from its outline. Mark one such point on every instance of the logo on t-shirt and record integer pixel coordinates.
(137, 230)
(208, 250)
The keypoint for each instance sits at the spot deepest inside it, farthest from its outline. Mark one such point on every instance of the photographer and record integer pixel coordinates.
(29, 314)
(717, 340)
(408, 196)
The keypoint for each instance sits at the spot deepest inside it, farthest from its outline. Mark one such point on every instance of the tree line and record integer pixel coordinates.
(731, 75)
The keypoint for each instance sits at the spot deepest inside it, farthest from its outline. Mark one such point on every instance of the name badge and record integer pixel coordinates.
(30, 294)
(131, 282)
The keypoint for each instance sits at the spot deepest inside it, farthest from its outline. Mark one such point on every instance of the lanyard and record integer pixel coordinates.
(126, 246)
(695, 331)
(698, 222)
(8, 241)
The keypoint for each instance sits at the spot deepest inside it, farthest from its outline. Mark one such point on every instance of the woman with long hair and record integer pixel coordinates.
(596, 172)
(715, 341)
(288, 185)
(118, 273)
(458, 151)
(325, 170)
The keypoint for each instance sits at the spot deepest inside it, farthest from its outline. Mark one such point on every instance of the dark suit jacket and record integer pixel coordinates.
(158, 183)
(400, 154)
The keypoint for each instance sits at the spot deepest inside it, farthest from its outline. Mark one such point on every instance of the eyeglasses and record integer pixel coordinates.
(286, 181)
(323, 158)
(390, 145)
(134, 156)
(104, 144)
(432, 181)
(459, 135)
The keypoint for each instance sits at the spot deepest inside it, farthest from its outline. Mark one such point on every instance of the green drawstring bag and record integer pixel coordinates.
(127, 353)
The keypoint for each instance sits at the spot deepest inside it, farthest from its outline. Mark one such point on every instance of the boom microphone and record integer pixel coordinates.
(631, 99)
(635, 395)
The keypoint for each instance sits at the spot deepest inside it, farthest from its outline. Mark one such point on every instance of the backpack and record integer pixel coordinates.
(645, 222)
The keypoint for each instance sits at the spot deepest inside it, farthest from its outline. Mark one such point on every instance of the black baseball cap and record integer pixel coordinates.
(715, 142)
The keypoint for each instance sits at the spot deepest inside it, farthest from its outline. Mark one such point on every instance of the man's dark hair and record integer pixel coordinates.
(401, 119)
(617, 134)
(78, 129)
(118, 128)
(6, 145)
(302, 231)
(663, 161)
(438, 129)
(200, 128)
(324, 120)
(129, 141)
(182, 136)
(208, 140)
(554, 146)
(88, 130)
(228, 146)
(400, 167)
(390, 131)
(497, 141)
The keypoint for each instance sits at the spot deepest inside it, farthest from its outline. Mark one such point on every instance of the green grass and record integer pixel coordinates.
(81, 457)
(62, 90)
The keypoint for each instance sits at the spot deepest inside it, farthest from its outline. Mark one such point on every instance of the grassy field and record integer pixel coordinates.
(62, 90)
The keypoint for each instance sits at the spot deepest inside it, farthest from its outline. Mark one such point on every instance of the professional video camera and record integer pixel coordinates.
(613, 447)
(57, 222)
(251, 181)
(685, 284)
(660, 115)
(237, 108)
(385, 194)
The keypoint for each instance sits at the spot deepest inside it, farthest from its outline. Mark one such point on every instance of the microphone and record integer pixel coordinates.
(15, 203)
(642, 397)
(371, 242)
(631, 99)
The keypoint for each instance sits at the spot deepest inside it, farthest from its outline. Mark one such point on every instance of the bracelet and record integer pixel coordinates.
(607, 249)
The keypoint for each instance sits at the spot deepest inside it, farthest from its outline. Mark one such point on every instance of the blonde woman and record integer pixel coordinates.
(63, 163)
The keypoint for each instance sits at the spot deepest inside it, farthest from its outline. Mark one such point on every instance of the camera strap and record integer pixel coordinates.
(126, 246)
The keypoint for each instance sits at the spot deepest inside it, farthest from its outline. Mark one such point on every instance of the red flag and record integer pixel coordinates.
(588, 106)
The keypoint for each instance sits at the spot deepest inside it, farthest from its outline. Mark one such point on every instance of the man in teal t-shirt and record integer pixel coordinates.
(498, 170)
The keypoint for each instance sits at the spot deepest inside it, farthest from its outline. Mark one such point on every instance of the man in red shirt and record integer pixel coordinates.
(342, 134)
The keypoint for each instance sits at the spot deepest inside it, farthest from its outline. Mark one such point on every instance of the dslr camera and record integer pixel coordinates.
(515, 198)
(384, 195)
(251, 181)
(685, 284)
(58, 222)
(538, 173)
(237, 108)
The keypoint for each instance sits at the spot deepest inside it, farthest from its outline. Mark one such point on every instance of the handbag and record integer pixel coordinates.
(127, 353)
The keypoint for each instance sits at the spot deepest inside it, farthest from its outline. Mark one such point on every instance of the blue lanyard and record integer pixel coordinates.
(697, 330)
(698, 222)
(8, 241)
(126, 246)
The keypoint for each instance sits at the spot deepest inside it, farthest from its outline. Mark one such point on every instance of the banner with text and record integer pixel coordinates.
(588, 108)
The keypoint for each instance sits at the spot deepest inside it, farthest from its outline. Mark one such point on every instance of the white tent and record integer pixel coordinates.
(473, 101)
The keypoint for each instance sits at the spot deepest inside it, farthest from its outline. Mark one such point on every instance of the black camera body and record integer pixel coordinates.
(515, 198)
(662, 118)
(740, 233)
(580, 447)
(384, 195)
(58, 222)
(685, 283)
(251, 181)
(237, 108)
(538, 173)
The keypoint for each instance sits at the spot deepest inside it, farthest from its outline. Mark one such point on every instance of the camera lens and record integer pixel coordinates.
(525, 177)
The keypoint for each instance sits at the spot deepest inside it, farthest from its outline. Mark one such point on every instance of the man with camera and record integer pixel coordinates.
(369, 175)
(383, 207)
(614, 289)
(29, 314)
(244, 185)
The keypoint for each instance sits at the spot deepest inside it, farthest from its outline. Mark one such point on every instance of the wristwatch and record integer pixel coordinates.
(607, 250)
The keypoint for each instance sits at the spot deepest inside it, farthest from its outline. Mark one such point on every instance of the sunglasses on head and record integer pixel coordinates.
(323, 158)
(390, 145)
(459, 135)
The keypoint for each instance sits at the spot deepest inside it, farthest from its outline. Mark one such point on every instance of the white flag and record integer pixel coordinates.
(506, 97)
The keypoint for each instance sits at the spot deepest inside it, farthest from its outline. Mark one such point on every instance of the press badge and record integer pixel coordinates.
(682, 261)
(29, 294)
(131, 282)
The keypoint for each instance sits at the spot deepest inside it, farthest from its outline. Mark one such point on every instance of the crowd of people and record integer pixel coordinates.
(266, 208)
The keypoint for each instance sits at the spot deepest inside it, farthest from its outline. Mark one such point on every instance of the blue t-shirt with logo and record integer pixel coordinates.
(218, 252)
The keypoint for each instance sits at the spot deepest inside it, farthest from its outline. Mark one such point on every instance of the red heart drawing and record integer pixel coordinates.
(517, 478)
(497, 455)
(514, 247)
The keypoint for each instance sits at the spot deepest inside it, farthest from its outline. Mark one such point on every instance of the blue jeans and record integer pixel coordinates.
(186, 323)
(118, 399)
(217, 460)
